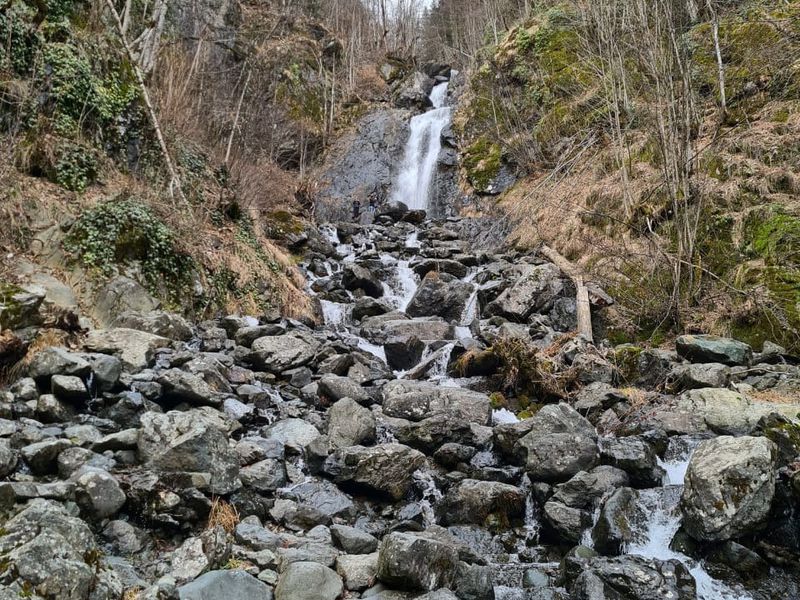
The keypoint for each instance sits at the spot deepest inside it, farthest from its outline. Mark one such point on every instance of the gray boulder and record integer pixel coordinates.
(282, 352)
(68, 388)
(350, 424)
(355, 277)
(633, 578)
(335, 388)
(314, 503)
(713, 349)
(386, 469)
(614, 528)
(120, 295)
(727, 412)
(352, 540)
(134, 348)
(534, 292)
(358, 572)
(225, 585)
(694, 376)
(417, 561)
(489, 503)
(294, 434)
(181, 386)
(97, 492)
(440, 295)
(415, 93)
(164, 324)
(57, 361)
(729, 487)
(308, 581)
(194, 441)
(19, 307)
(634, 456)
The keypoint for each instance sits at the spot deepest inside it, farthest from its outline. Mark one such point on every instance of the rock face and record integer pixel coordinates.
(415, 561)
(362, 160)
(711, 349)
(729, 487)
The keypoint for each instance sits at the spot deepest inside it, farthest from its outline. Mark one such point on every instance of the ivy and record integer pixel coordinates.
(75, 166)
(126, 232)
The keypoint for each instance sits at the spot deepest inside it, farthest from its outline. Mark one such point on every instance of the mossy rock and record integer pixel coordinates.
(18, 307)
(626, 359)
(280, 223)
(482, 161)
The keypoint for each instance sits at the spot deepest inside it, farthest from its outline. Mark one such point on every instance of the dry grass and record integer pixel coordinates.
(776, 396)
(132, 593)
(528, 370)
(46, 338)
(223, 515)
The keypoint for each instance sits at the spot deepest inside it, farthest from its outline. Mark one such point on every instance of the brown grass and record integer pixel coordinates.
(46, 338)
(132, 593)
(776, 396)
(223, 515)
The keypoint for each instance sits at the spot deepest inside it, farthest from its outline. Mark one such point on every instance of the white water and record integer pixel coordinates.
(413, 184)
(503, 415)
(403, 285)
(430, 496)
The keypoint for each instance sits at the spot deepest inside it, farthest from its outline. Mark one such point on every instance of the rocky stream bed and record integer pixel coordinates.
(248, 458)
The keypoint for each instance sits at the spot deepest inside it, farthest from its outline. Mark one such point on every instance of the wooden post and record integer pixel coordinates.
(584, 307)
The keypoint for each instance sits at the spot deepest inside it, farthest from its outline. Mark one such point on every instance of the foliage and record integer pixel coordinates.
(482, 161)
(125, 231)
(75, 166)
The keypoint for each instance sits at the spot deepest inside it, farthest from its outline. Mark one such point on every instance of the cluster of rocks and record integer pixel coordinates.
(261, 458)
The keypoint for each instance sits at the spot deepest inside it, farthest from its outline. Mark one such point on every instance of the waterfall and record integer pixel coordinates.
(413, 185)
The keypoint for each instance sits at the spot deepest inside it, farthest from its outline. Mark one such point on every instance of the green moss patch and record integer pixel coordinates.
(482, 161)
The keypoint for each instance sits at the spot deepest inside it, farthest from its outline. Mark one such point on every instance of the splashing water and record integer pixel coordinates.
(430, 496)
(422, 153)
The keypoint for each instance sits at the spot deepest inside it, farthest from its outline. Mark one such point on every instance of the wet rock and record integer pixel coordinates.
(352, 540)
(713, 349)
(416, 561)
(350, 424)
(135, 349)
(416, 93)
(281, 352)
(386, 469)
(614, 528)
(225, 585)
(308, 581)
(164, 324)
(569, 510)
(534, 292)
(488, 503)
(402, 353)
(106, 371)
(634, 578)
(193, 441)
(440, 295)
(451, 455)
(265, 475)
(634, 456)
(379, 330)
(729, 487)
(355, 277)
(368, 307)
(8, 458)
(451, 267)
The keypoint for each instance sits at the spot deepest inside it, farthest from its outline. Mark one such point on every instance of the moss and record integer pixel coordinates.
(281, 223)
(497, 400)
(626, 359)
(482, 161)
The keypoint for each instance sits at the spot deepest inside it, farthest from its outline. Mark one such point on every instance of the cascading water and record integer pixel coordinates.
(652, 538)
(413, 185)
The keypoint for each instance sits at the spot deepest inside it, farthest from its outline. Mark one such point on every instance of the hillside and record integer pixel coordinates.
(628, 163)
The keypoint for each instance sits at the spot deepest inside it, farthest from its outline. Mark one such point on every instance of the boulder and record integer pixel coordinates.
(634, 456)
(355, 277)
(729, 487)
(415, 93)
(134, 348)
(69, 389)
(313, 503)
(308, 581)
(19, 307)
(164, 324)
(488, 503)
(120, 295)
(294, 434)
(97, 492)
(695, 376)
(403, 352)
(333, 388)
(357, 571)
(533, 292)
(416, 561)
(416, 401)
(181, 386)
(352, 540)
(614, 527)
(194, 441)
(56, 361)
(283, 352)
(727, 412)
(713, 349)
(230, 584)
(633, 578)
(440, 295)
(350, 424)
(386, 469)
